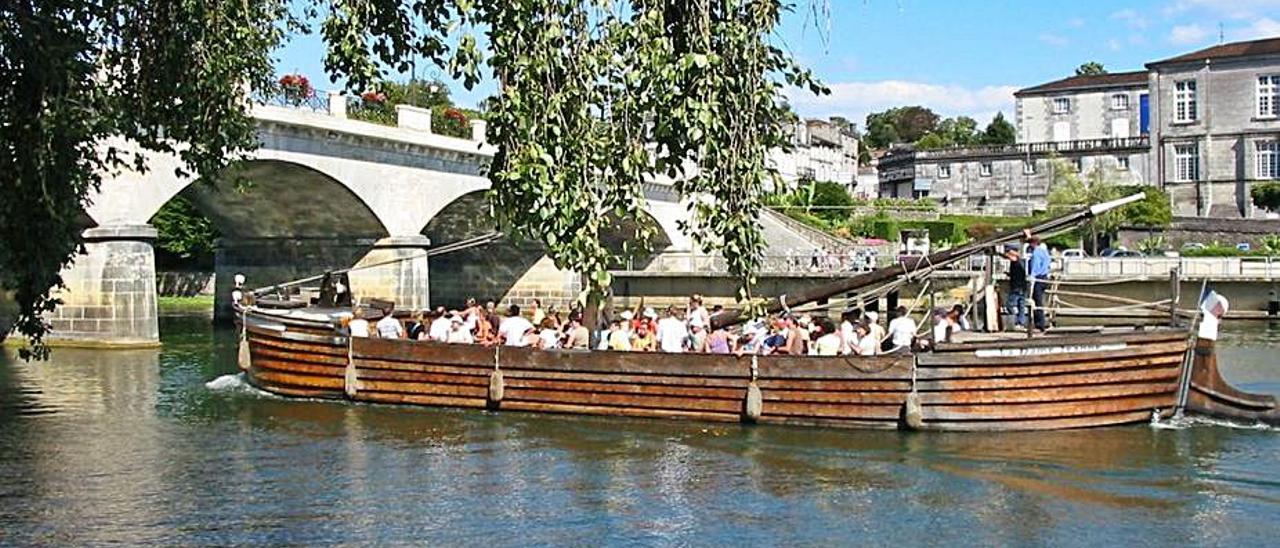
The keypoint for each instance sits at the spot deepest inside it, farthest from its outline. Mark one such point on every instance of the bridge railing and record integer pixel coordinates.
(787, 264)
(1262, 268)
(315, 101)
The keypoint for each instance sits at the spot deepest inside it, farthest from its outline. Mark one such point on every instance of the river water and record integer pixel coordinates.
(170, 447)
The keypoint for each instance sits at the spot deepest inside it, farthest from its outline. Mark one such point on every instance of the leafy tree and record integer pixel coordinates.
(573, 119)
(1071, 190)
(1266, 196)
(1091, 68)
(1153, 211)
(900, 125)
(958, 131)
(184, 232)
(830, 199)
(999, 131)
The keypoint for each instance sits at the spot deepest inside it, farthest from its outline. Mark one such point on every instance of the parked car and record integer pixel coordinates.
(1191, 246)
(1073, 254)
(1123, 254)
(1244, 246)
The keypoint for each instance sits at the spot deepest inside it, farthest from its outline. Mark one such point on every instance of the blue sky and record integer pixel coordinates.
(963, 56)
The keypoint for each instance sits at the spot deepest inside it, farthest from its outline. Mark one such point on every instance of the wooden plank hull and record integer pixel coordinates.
(1044, 383)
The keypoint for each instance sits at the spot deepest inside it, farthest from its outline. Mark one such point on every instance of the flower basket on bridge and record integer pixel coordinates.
(296, 89)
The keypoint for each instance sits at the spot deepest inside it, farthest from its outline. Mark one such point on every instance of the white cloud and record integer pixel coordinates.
(1265, 27)
(1114, 45)
(1053, 39)
(1075, 22)
(854, 100)
(1131, 18)
(1192, 34)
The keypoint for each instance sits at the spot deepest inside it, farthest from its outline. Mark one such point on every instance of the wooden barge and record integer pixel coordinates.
(986, 382)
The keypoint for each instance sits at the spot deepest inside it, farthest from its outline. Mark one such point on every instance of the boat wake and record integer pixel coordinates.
(1184, 422)
(236, 383)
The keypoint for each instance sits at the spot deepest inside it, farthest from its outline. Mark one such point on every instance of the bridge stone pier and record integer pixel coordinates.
(321, 193)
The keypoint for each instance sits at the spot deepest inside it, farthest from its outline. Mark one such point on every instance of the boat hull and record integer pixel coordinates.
(1068, 382)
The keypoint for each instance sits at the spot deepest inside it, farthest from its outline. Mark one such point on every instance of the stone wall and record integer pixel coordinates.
(1205, 231)
(504, 272)
(178, 283)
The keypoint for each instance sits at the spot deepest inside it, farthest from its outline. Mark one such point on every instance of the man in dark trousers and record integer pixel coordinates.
(1016, 300)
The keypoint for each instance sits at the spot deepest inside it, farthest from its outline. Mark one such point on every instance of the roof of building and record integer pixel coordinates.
(1265, 46)
(1093, 81)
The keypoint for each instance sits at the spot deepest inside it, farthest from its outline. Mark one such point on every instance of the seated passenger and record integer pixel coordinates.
(697, 335)
(618, 338)
(389, 327)
(671, 332)
(867, 343)
(549, 334)
(578, 336)
(643, 340)
(514, 327)
(458, 332)
(438, 331)
(829, 342)
(902, 330)
(718, 341)
(358, 326)
(418, 325)
(531, 338)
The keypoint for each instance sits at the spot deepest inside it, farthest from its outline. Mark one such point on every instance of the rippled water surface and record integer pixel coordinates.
(165, 447)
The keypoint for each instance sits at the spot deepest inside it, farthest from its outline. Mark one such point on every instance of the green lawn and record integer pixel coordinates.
(198, 303)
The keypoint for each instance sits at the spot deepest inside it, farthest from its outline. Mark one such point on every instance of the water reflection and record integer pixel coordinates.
(109, 447)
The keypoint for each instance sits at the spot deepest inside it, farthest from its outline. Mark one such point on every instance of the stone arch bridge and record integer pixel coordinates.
(322, 192)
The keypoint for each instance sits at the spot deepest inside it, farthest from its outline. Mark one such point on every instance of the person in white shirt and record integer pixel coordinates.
(830, 343)
(389, 327)
(867, 344)
(358, 326)
(548, 334)
(941, 326)
(439, 329)
(697, 311)
(513, 328)
(672, 332)
(902, 330)
(848, 338)
(458, 331)
(877, 330)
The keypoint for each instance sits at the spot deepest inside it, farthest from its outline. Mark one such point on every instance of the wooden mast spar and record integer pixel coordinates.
(925, 265)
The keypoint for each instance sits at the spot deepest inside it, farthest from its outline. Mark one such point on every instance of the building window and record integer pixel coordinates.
(1061, 105)
(984, 169)
(1267, 159)
(1120, 101)
(1122, 163)
(1269, 96)
(1184, 101)
(1028, 167)
(1186, 162)
(944, 171)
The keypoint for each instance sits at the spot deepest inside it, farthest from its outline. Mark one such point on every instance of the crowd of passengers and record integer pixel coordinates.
(679, 329)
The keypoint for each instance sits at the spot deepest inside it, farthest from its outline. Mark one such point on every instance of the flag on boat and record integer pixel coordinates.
(1213, 304)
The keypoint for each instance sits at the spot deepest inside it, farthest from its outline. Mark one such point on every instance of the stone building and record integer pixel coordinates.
(821, 153)
(1004, 179)
(1218, 125)
(1101, 106)
(1205, 126)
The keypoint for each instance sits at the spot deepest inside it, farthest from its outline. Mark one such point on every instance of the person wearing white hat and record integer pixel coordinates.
(458, 331)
